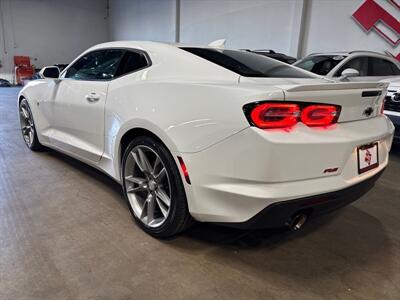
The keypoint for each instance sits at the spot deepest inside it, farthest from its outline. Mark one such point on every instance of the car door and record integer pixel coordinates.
(76, 112)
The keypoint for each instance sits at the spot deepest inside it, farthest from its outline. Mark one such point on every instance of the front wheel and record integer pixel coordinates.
(153, 187)
(28, 126)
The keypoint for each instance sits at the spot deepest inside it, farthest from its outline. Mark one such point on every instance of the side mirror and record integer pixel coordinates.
(52, 72)
(349, 72)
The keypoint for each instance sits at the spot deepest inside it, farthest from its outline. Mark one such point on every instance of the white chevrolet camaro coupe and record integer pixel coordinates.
(210, 134)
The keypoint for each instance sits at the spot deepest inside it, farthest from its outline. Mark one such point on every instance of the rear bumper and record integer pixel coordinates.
(236, 179)
(279, 214)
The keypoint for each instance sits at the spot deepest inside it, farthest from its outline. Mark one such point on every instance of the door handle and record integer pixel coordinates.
(92, 97)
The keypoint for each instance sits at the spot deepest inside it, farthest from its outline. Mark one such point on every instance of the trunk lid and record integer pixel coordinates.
(358, 100)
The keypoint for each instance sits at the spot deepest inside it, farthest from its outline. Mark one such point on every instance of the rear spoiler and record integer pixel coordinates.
(334, 86)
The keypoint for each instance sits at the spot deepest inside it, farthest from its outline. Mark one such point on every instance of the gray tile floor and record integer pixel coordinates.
(66, 233)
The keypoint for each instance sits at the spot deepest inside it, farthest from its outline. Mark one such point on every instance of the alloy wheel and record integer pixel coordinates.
(26, 121)
(148, 186)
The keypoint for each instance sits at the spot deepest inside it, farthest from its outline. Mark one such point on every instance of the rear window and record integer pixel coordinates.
(248, 64)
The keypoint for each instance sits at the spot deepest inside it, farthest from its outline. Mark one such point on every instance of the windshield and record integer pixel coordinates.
(320, 64)
(248, 64)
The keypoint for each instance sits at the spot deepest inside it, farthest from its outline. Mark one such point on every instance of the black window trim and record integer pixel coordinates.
(125, 49)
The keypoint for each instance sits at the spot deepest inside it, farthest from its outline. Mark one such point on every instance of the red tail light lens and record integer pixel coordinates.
(269, 115)
(275, 115)
(319, 115)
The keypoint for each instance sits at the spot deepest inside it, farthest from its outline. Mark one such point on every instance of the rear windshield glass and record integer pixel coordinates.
(248, 64)
(320, 64)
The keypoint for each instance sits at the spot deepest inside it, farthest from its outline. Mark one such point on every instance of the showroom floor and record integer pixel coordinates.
(66, 233)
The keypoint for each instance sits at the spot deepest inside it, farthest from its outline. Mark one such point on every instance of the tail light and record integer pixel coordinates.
(319, 115)
(382, 106)
(275, 115)
(269, 115)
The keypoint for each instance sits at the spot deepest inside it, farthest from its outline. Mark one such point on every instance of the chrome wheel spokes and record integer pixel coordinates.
(147, 186)
(26, 121)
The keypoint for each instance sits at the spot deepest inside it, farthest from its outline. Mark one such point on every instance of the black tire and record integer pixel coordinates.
(178, 218)
(33, 142)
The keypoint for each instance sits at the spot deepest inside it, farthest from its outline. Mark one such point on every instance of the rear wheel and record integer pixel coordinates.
(154, 189)
(28, 126)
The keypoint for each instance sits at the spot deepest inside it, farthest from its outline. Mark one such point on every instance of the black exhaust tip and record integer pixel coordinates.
(297, 221)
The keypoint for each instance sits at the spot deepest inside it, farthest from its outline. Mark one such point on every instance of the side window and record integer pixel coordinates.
(359, 63)
(382, 67)
(97, 65)
(395, 69)
(131, 61)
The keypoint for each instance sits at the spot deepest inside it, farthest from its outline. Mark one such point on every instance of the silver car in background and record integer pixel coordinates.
(351, 66)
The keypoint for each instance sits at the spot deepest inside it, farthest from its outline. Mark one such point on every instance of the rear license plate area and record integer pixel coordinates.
(368, 157)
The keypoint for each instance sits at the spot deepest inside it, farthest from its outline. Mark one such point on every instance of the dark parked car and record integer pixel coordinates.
(4, 83)
(275, 55)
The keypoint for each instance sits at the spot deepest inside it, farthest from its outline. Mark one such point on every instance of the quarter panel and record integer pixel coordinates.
(187, 116)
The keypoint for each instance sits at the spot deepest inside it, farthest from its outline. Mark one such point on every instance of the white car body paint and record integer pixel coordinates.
(196, 109)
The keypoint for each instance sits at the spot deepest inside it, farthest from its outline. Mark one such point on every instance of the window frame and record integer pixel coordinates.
(124, 50)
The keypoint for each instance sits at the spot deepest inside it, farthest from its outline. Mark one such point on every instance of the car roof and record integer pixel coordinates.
(144, 45)
(347, 53)
(148, 45)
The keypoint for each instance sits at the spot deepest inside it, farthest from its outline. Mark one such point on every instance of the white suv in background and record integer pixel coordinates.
(351, 66)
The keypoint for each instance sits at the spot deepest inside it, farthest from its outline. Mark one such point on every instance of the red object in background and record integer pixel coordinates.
(370, 13)
(23, 68)
(22, 61)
